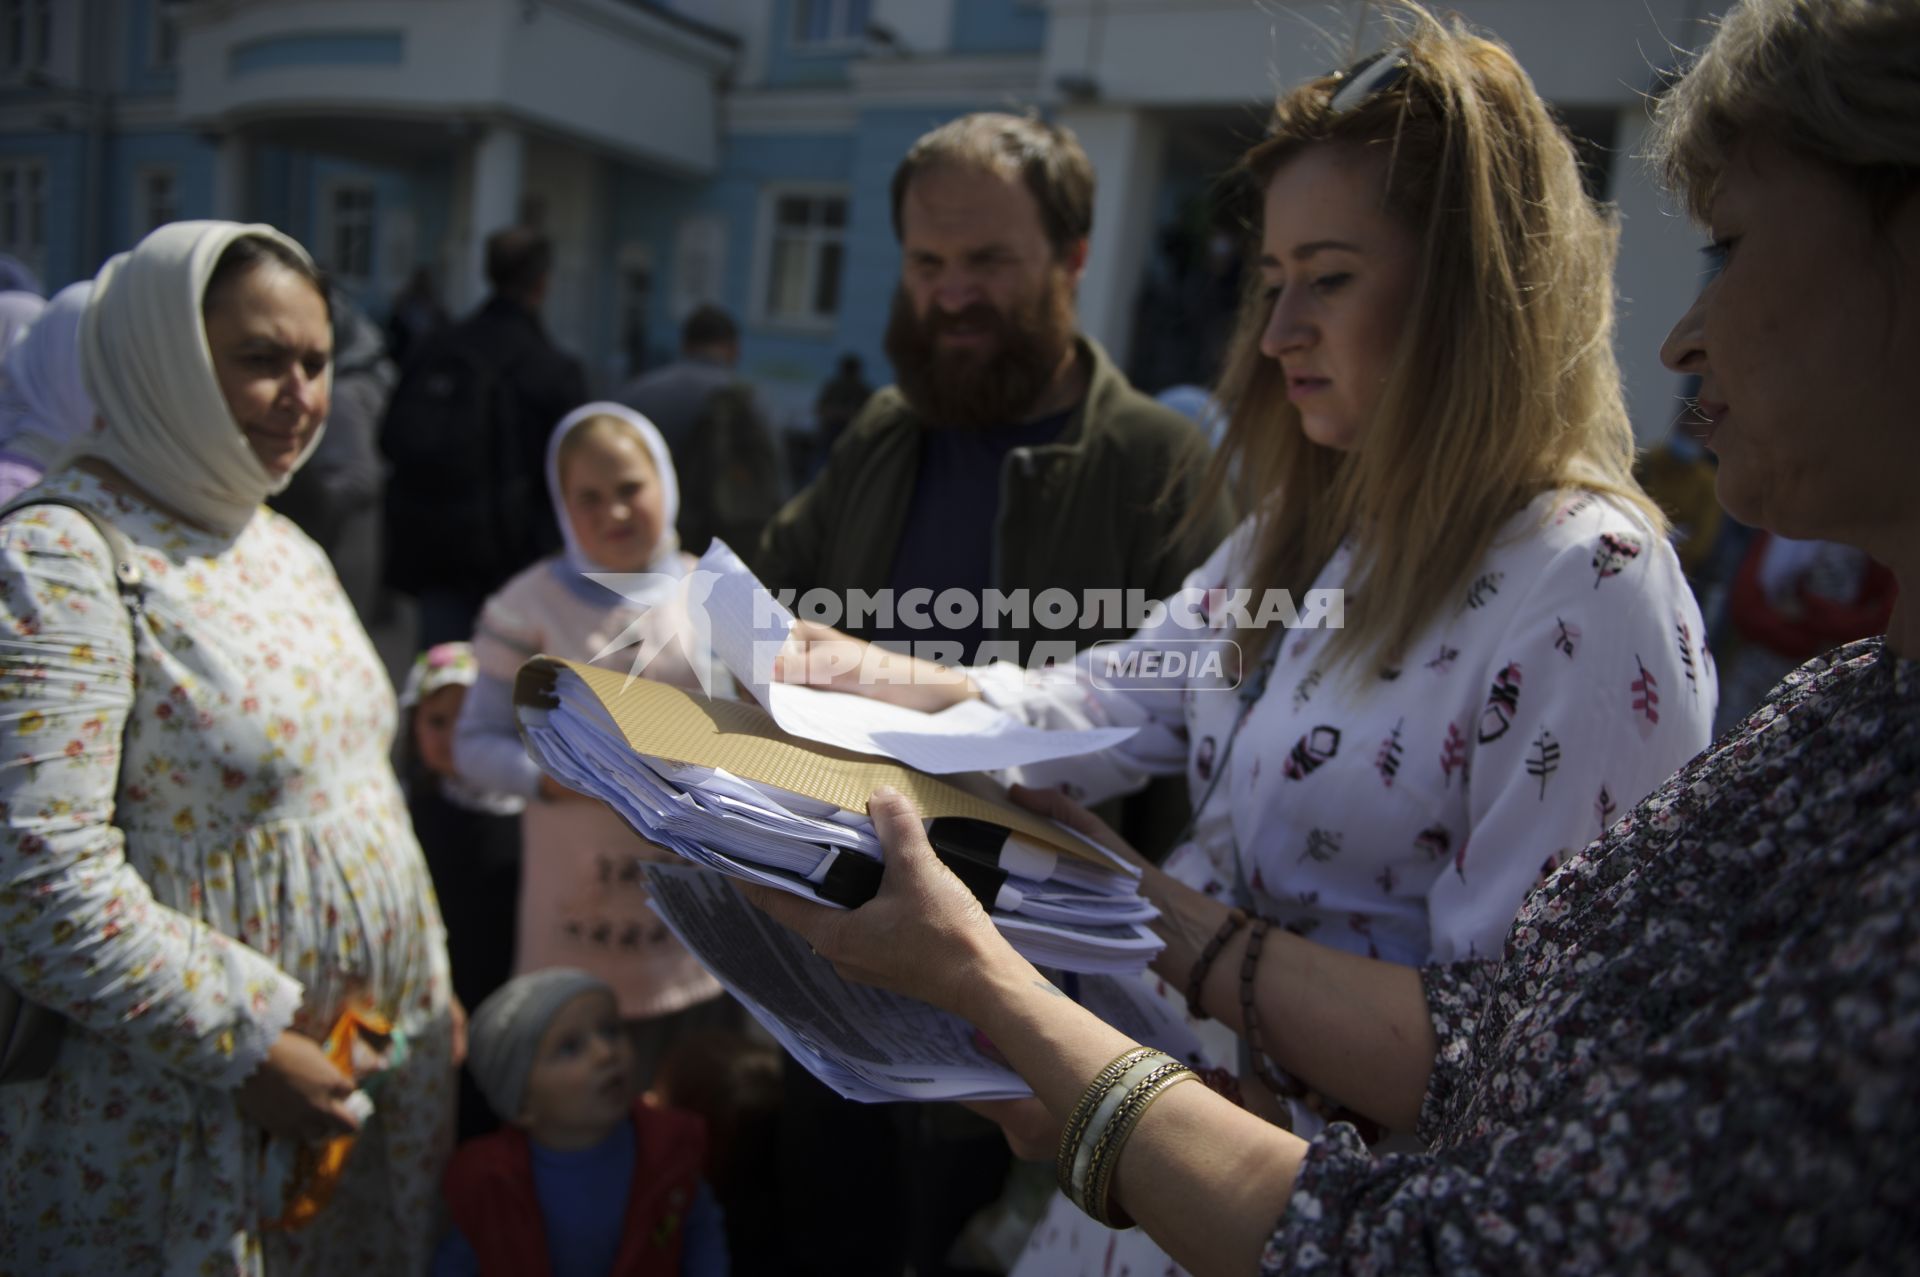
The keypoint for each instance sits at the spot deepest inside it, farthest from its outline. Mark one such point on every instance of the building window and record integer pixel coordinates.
(348, 232)
(805, 244)
(23, 211)
(827, 23)
(26, 36)
(156, 199)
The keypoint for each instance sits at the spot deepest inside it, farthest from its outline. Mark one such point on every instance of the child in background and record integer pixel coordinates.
(581, 902)
(584, 1179)
(471, 839)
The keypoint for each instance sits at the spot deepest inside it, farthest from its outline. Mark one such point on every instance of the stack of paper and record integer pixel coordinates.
(866, 1043)
(776, 793)
(719, 783)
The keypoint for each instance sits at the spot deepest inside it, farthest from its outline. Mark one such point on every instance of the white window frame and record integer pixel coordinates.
(23, 184)
(144, 219)
(840, 35)
(331, 226)
(763, 255)
(34, 53)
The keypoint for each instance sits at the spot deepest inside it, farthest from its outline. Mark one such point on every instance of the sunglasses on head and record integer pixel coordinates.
(1371, 75)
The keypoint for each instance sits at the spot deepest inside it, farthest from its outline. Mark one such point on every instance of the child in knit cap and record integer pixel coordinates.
(584, 1179)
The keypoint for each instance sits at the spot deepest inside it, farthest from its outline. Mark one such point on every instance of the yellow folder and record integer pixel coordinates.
(739, 737)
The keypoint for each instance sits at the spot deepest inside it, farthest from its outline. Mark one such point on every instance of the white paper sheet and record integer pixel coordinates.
(864, 1042)
(972, 736)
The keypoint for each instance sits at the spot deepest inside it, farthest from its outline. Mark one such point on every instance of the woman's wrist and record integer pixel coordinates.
(997, 982)
(1188, 920)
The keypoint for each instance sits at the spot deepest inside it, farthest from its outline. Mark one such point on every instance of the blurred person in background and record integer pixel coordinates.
(717, 430)
(335, 496)
(471, 839)
(1790, 601)
(838, 403)
(45, 413)
(581, 900)
(415, 316)
(466, 434)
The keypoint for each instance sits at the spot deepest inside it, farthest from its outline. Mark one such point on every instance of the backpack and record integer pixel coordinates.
(459, 499)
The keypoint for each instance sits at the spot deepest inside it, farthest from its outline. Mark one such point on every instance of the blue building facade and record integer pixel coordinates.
(681, 152)
(789, 228)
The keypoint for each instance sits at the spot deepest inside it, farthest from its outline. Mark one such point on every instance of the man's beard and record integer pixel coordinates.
(999, 383)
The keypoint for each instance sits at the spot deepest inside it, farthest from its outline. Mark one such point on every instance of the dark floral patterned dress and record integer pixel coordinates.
(1701, 1051)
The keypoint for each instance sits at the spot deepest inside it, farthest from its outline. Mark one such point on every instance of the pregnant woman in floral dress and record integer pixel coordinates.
(205, 856)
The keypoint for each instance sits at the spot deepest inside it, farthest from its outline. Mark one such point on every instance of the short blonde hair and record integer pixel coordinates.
(1504, 385)
(1836, 79)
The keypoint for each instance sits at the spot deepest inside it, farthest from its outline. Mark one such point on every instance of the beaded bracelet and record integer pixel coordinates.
(1083, 1112)
(1197, 977)
(1263, 1066)
(1097, 1195)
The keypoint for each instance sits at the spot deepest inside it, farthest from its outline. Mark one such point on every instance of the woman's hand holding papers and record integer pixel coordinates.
(923, 935)
(1198, 1172)
(818, 655)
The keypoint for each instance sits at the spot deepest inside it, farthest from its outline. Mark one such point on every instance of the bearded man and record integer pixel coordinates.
(1011, 456)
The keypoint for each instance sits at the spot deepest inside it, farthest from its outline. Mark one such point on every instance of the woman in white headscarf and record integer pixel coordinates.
(205, 860)
(581, 904)
(44, 407)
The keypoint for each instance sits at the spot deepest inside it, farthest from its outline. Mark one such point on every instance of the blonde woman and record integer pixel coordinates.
(1428, 416)
(1696, 1050)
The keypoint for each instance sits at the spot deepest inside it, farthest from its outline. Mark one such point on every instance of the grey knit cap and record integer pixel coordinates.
(504, 1033)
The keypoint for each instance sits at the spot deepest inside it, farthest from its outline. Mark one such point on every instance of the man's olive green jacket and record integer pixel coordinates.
(1090, 511)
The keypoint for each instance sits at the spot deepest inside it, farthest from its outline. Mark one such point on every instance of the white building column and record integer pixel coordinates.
(493, 200)
(232, 169)
(1128, 150)
(1659, 275)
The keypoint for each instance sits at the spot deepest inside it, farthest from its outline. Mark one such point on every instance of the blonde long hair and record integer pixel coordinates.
(1503, 385)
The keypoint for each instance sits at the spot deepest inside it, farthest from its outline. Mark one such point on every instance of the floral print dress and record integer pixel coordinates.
(1701, 1051)
(203, 845)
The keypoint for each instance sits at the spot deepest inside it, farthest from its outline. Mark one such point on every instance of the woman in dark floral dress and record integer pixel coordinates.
(1700, 1051)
